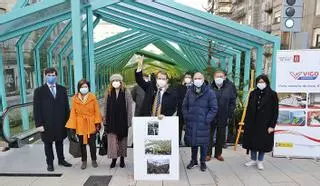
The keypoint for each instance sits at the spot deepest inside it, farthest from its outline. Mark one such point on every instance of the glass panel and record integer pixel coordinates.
(19, 121)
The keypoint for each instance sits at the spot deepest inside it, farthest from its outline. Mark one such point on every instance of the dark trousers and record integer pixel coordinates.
(181, 123)
(49, 151)
(92, 145)
(220, 140)
(203, 153)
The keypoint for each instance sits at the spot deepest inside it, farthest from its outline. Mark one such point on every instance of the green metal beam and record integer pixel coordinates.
(22, 81)
(56, 42)
(3, 96)
(25, 11)
(90, 49)
(36, 53)
(76, 40)
(175, 54)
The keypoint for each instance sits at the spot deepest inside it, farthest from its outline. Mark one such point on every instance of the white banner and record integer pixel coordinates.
(156, 148)
(298, 85)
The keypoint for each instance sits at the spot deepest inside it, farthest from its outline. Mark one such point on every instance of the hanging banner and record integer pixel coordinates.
(156, 148)
(297, 133)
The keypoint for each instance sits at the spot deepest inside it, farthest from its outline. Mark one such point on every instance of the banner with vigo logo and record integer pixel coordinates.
(298, 85)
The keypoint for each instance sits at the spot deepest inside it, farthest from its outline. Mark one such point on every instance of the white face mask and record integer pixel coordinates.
(261, 86)
(161, 83)
(198, 82)
(146, 79)
(84, 90)
(116, 84)
(219, 81)
(187, 80)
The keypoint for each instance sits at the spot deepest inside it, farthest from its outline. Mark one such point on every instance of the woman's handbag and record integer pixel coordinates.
(75, 147)
(103, 144)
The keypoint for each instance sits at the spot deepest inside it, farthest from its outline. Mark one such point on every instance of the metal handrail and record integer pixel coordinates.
(3, 117)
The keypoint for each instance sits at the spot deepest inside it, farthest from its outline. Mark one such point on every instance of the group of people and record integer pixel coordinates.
(204, 111)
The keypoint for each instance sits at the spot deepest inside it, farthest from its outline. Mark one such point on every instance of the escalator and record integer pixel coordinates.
(18, 126)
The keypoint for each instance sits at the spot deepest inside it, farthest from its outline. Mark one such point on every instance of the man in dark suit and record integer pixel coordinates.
(181, 91)
(160, 100)
(51, 112)
(226, 97)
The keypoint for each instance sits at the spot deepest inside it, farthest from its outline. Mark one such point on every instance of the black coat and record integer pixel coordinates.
(259, 118)
(181, 92)
(169, 98)
(199, 110)
(226, 98)
(51, 113)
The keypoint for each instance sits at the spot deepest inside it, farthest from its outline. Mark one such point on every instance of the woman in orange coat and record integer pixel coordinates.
(85, 119)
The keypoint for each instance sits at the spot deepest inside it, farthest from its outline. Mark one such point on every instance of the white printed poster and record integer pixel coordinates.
(156, 148)
(297, 132)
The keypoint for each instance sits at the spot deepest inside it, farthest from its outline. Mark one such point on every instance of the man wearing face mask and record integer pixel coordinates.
(199, 110)
(226, 97)
(137, 94)
(181, 90)
(51, 113)
(160, 100)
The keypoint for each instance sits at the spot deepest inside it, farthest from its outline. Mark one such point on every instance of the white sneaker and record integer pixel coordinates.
(251, 163)
(260, 165)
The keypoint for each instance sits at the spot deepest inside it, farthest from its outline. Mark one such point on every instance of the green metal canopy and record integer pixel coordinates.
(182, 33)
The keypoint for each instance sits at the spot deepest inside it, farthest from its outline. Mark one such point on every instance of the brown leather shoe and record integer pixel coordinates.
(220, 158)
(208, 158)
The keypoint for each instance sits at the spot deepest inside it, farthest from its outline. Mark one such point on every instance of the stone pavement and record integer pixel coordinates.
(278, 171)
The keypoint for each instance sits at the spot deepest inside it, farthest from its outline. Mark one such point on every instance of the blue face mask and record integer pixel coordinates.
(51, 79)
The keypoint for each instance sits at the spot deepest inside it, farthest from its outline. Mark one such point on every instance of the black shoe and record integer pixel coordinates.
(203, 167)
(225, 146)
(192, 164)
(122, 164)
(113, 164)
(50, 168)
(64, 163)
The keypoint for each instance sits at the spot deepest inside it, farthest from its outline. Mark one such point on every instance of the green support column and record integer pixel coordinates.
(223, 63)
(90, 49)
(22, 81)
(76, 40)
(237, 71)
(246, 77)
(259, 61)
(60, 64)
(3, 97)
(230, 67)
(276, 47)
(36, 53)
(70, 80)
(56, 42)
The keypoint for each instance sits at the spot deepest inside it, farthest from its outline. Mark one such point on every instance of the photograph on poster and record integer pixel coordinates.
(314, 101)
(314, 118)
(292, 118)
(158, 166)
(153, 128)
(292, 100)
(158, 147)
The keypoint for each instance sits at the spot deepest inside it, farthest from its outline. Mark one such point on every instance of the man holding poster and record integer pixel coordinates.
(199, 110)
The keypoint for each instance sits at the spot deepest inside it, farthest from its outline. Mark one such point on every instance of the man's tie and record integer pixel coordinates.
(156, 110)
(53, 91)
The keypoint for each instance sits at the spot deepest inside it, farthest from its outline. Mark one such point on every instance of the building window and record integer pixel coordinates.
(249, 20)
(316, 38)
(318, 8)
(277, 17)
